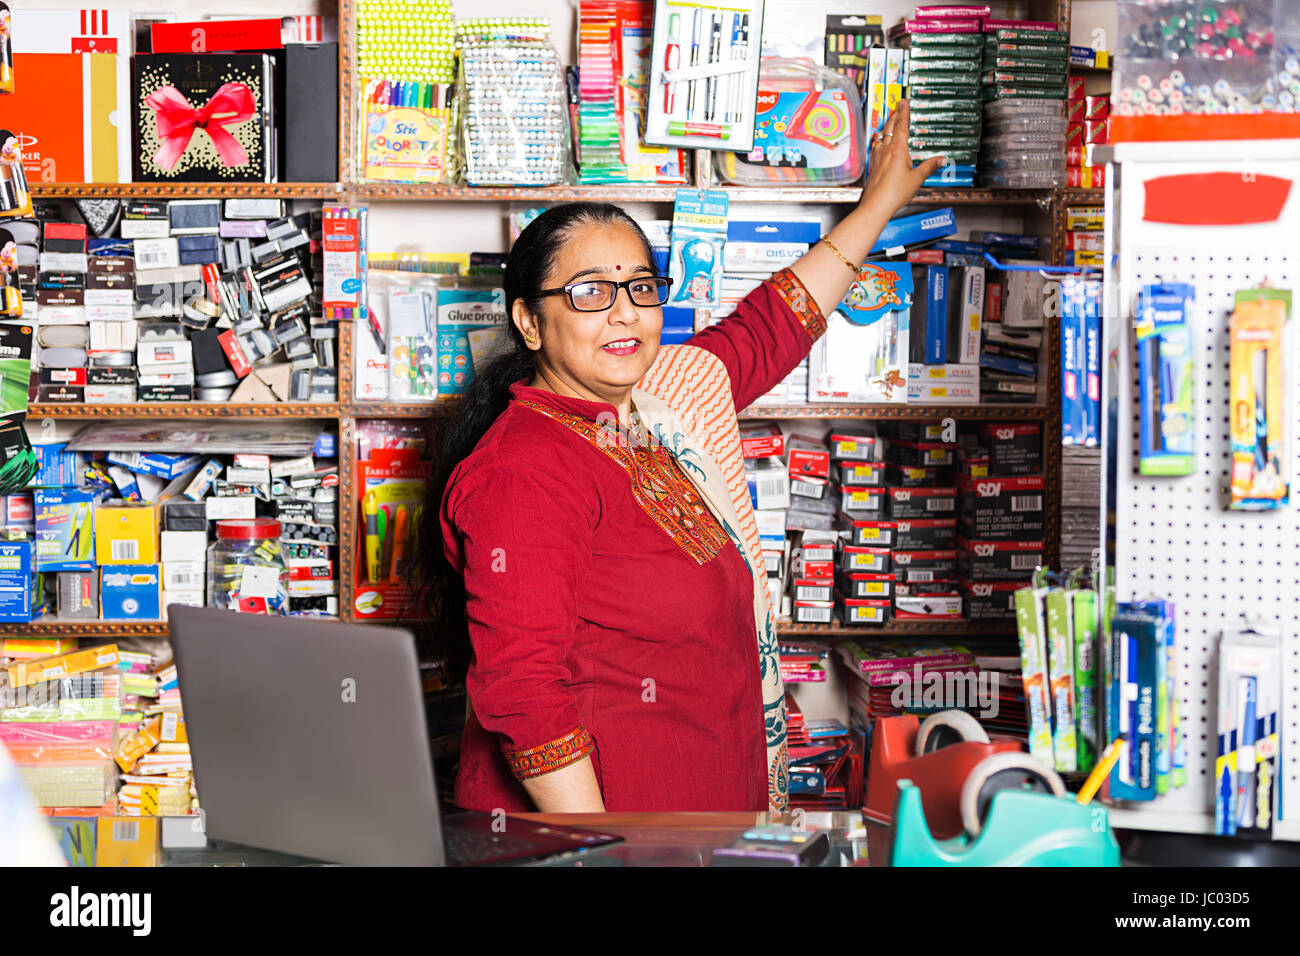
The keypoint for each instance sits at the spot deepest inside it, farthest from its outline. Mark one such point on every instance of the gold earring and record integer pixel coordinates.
(530, 339)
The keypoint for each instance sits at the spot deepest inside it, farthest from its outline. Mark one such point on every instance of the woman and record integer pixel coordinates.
(596, 530)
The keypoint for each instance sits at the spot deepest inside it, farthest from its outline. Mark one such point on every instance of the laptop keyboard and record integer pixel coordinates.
(469, 846)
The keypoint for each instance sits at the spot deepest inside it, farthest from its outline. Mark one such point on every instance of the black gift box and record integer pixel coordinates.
(182, 87)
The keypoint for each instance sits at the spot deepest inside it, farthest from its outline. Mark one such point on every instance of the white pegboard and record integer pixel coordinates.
(1173, 536)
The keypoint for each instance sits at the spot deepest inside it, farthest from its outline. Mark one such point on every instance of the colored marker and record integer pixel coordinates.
(370, 511)
(399, 542)
(672, 60)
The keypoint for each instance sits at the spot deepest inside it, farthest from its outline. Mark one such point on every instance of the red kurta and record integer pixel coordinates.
(610, 614)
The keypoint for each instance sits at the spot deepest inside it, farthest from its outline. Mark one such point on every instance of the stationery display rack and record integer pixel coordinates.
(1046, 207)
(1173, 537)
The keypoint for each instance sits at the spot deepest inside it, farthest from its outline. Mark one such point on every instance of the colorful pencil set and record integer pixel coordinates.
(407, 129)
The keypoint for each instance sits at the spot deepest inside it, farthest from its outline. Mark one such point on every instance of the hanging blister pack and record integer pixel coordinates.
(1166, 377)
(695, 262)
(1246, 765)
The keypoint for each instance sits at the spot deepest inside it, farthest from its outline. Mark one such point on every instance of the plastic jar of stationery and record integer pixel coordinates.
(246, 567)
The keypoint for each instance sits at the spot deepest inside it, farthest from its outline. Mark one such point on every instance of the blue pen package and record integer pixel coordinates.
(1163, 612)
(1073, 431)
(904, 231)
(1135, 644)
(65, 529)
(695, 261)
(1092, 363)
(1166, 376)
(1250, 689)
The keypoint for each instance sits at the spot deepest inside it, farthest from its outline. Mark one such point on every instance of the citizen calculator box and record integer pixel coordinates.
(130, 592)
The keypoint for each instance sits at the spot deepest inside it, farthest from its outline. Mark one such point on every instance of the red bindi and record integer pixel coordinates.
(618, 268)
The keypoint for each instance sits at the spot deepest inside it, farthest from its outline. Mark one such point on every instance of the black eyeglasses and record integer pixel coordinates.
(596, 295)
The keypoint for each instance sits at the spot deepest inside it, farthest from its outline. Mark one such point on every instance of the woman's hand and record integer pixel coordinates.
(828, 267)
(893, 182)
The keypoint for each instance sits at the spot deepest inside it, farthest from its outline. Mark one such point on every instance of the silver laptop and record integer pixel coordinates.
(309, 737)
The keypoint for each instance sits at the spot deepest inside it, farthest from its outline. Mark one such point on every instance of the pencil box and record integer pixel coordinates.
(806, 129)
(1133, 688)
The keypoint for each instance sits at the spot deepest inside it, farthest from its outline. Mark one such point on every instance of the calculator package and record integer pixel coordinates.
(704, 74)
(807, 129)
(514, 110)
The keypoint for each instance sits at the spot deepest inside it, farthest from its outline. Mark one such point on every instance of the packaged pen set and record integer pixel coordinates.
(1166, 379)
(1247, 796)
(1259, 433)
(704, 64)
(1057, 625)
(1142, 702)
(406, 131)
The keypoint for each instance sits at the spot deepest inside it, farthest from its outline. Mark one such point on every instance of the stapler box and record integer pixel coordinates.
(126, 534)
(130, 592)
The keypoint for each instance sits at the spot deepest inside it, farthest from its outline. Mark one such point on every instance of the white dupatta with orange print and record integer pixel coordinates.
(685, 403)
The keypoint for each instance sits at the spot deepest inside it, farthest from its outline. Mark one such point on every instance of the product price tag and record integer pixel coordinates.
(258, 581)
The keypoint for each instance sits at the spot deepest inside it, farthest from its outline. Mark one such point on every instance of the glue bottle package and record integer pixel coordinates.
(807, 129)
(514, 121)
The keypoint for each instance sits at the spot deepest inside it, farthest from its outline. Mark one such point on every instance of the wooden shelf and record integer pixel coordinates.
(52, 627)
(185, 410)
(438, 409)
(970, 628)
(1092, 195)
(894, 411)
(187, 190)
(649, 192)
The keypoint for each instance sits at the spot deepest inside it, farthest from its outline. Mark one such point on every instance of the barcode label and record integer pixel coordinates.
(920, 576)
(771, 563)
(863, 499)
(125, 549)
(184, 580)
(126, 831)
(1025, 562)
(1026, 502)
(1011, 603)
(169, 727)
(809, 594)
(805, 489)
(148, 258)
(936, 457)
(860, 561)
(770, 488)
(873, 587)
(939, 504)
(815, 615)
(866, 614)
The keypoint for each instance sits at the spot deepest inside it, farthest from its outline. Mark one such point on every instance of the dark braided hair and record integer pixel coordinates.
(439, 589)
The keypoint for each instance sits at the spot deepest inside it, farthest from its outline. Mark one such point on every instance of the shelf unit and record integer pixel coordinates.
(344, 414)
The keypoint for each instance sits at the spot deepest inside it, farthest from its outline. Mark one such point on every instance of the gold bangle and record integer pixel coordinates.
(839, 255)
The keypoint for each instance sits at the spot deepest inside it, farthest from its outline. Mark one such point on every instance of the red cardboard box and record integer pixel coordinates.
(1075, 89)
(1096, 107)
(761, 441)
(1096, 131)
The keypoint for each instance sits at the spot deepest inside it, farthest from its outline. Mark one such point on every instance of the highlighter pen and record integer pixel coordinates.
(385, 540)
(672, 60)
(399, 543)
(696, 25)
(711, 83)
(370, 510)
(1246, 736)
(1101, 771)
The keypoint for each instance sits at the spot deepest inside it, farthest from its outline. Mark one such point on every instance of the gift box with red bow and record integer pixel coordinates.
(204, 117)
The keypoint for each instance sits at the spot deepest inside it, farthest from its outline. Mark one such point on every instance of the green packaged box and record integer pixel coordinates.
(942, 143)
(1028, 64)
(943, 78)
(943, 51)
(958, 156)
(1044, 51)
(925, 92)
(1021, 78)
(1024, 92)
(1055, 37)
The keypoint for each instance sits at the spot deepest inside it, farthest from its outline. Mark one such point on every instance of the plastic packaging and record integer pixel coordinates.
(514, 125)
(808, 129)
(59, 742)
(1206, 57)
(246, 567)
